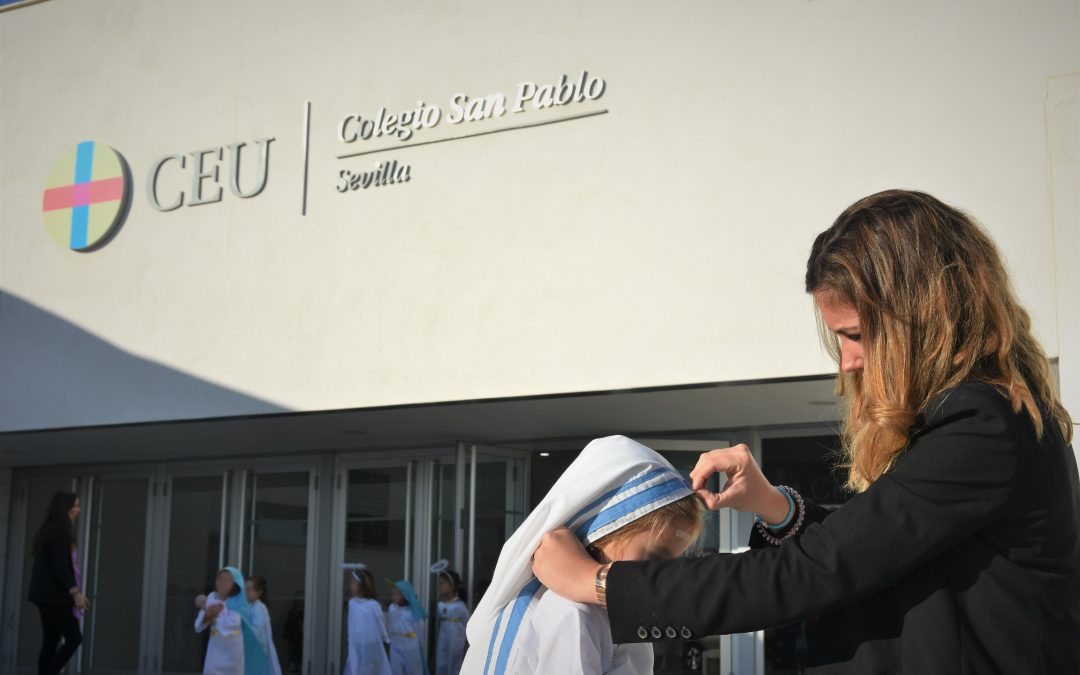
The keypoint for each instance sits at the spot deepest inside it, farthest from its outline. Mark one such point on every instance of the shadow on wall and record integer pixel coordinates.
(54, 374)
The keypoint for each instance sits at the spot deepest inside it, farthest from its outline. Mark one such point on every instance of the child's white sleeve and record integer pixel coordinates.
(201, 623)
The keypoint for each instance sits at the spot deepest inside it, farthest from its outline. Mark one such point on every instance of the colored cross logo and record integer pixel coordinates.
(86, 196)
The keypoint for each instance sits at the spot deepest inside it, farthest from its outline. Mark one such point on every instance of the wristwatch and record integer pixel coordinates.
(601, 584)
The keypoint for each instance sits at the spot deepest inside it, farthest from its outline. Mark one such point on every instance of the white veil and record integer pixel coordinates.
(614, 481)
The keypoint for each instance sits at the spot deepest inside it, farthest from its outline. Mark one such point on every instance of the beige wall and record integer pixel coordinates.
(661, 243)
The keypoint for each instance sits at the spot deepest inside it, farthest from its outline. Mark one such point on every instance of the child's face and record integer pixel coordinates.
(446, 588)
(252, 593)
(396, 597)
(224, 584)
(354, 587)
(668, 544)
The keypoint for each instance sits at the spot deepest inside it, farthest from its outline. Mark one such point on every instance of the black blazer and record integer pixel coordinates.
(53, 577)
(963, 558)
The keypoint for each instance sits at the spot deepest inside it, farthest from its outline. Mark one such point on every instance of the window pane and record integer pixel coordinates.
(194, 557)
(115, 556)
(276, 535)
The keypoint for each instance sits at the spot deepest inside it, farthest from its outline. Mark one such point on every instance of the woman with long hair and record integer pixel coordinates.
(960, 549)
(55, 584)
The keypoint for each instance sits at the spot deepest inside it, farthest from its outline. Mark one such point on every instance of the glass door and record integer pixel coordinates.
(376, 499)
(115, 561)
(495, 495)
(277, 506)
(197, 535)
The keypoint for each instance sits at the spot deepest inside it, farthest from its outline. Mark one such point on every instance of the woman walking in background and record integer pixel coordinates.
(55, 584)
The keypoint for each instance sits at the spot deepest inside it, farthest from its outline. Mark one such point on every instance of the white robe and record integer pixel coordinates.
(570, 638)
(453, 616)
(260, 623)
(405, 656)
(367, 637)
(519, 627)
(225, 652)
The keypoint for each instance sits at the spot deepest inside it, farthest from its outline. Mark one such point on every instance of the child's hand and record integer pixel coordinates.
(213, 611)
(200, 601)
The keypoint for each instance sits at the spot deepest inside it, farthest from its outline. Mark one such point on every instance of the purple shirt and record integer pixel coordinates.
(78, 578)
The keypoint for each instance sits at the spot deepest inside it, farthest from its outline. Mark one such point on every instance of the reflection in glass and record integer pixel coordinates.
(275, 547)
(195, 550)
(375, 529)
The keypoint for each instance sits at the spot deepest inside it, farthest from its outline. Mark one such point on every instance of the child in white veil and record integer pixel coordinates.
(624, 501)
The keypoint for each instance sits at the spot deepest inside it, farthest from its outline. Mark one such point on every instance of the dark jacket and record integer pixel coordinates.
(963, 558)
(53, 577)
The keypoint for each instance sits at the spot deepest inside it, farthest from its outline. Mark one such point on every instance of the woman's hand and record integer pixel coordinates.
(746, 488)
(561, 564)
(81, 601)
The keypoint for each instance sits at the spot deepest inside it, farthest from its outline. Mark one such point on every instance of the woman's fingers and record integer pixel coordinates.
(729, 461)
(709, 497)
(728, 497)
(708, 463)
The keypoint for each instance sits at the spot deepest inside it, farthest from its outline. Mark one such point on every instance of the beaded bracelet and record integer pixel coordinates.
(799, 514)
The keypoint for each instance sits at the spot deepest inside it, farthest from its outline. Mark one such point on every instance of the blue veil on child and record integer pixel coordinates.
(418, 613)
(256, 654)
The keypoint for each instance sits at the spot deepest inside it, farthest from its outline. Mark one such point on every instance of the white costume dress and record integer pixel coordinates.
(453, 616)
(404, 641)
(225, 652)
(260, 623)
(367, 635)
(519, 627)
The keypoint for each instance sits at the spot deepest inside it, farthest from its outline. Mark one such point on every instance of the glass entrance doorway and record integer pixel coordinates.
(397, 515)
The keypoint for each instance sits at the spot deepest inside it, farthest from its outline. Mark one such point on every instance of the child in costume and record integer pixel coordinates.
(234, 648)
(366, 628)
(260, 620)
(624, 502)
(405, 623)
(453, 615)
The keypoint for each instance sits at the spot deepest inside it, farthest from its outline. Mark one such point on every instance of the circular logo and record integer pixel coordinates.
(86, 196)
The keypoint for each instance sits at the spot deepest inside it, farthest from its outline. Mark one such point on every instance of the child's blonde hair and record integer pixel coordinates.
(688, 511)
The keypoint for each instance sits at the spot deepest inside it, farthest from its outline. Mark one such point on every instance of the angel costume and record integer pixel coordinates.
(519, 627)
(451, 645)
(234, 648)
(367, 637)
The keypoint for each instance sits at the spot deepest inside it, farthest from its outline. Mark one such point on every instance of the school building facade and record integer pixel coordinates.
(286, 285)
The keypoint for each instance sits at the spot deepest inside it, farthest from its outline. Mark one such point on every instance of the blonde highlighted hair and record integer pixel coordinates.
(936, 309)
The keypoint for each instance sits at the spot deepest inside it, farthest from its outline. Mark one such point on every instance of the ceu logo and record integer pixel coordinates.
(86, 196)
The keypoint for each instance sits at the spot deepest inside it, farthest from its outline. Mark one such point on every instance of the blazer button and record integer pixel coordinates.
(685, 632)
(656, 633)
(670, 632)
(642, 633)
